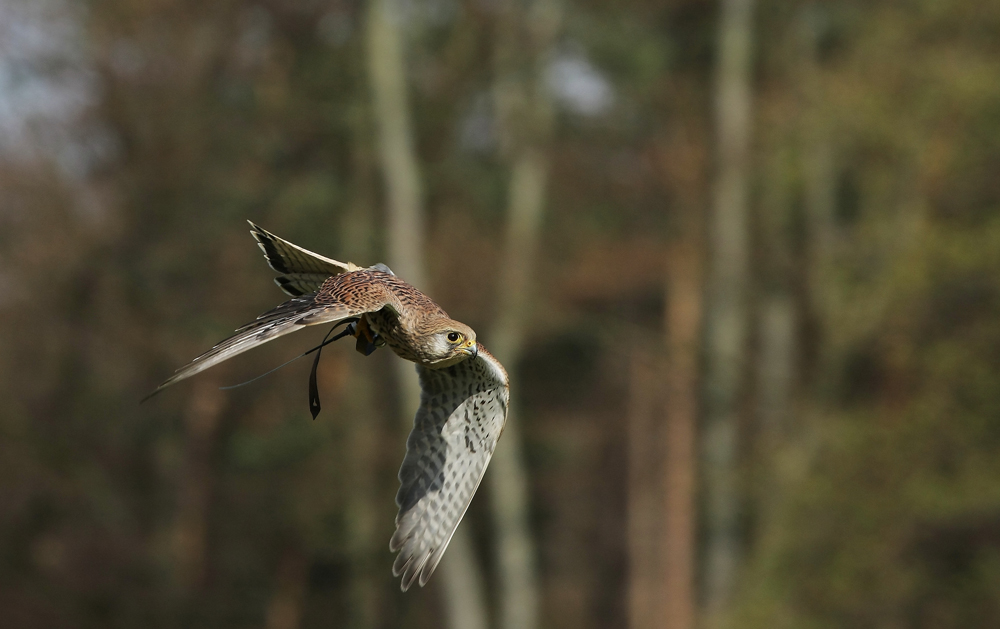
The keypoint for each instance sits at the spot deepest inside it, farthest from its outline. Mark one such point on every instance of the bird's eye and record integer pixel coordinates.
(454, 337)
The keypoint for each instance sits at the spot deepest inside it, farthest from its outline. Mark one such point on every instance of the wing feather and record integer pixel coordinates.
(331, 304)
(302, 271)
(286, 318)
(462, 412)
(296, 284)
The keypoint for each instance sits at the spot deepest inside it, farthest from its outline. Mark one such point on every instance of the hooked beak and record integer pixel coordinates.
(471, 348)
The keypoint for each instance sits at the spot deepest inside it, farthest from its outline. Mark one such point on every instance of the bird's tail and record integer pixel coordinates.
(288, 317)
(302, 271)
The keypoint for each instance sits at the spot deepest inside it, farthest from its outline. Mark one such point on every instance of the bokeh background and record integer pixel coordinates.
(741, 258)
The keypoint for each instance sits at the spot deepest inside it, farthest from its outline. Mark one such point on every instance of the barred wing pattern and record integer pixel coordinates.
(302, 271)
(462, 413)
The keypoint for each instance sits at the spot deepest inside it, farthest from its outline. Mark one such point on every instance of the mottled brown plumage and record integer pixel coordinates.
(406, 319)
(463, 403)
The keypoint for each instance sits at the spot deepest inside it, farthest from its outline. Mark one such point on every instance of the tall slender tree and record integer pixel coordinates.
(525, 115)
(357, 243)
(460, 573)
(644, 494)
(727, 291)
(683, 326)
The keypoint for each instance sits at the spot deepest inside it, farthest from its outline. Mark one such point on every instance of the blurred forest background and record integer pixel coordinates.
(742, 260)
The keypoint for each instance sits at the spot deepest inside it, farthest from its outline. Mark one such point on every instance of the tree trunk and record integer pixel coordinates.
(284, 610)
(463, 582)
(818, 166)
(777, 318)
(405, 218)
(508, 478)
(362, 443)
(525, 121)
(644, 494)
(463, 593)
(726, 320)
(684, 306)
(190, 535)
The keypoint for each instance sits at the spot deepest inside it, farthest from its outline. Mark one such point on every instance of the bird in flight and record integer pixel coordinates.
(464, 389)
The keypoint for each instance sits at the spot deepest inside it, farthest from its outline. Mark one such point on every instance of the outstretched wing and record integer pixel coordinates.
(462, 413)
(341, 298)
(302, 271)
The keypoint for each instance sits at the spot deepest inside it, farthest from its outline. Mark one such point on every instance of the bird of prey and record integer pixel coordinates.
(464, 389)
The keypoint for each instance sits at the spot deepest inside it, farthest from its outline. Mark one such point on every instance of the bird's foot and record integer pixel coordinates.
(368, 340)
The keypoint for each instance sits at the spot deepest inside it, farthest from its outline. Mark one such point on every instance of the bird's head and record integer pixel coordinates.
(449, 342)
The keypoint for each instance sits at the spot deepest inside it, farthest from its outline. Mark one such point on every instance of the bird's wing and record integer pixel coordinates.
(311, 309)
(462, 413)
(302, 271)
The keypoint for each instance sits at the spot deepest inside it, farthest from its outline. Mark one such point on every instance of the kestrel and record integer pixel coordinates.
(464, 389)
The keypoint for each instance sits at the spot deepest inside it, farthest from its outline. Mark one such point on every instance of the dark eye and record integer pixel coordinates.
(454, 337)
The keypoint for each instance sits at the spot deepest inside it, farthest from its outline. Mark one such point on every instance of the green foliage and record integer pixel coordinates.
(890, 516)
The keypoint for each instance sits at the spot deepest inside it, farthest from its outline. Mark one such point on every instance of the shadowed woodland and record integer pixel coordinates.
(741, 259)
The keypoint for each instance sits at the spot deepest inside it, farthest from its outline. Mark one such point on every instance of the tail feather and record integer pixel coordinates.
(285, 257)
(288, 317)
(296, 284)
